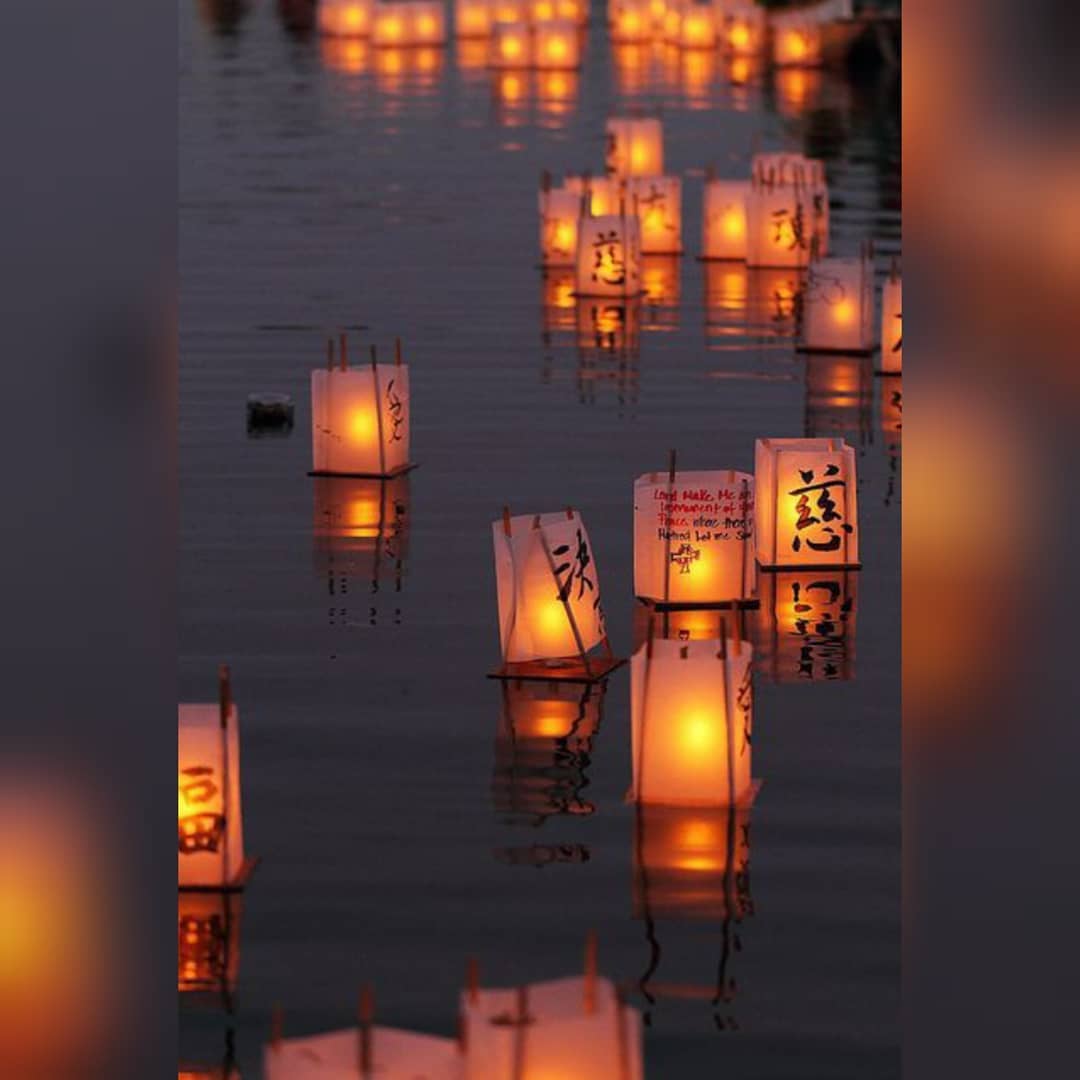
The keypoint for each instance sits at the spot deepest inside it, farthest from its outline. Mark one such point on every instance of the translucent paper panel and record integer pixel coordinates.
(658, 202)
(335, 1055)
(892, 326)
(635, 147)
(691, 720)
(346, 18)
(838, 305)
(409, 22)
(724, 219)
(609, 256)
(548, 589)
(693, 538)
(796, 41)
(559, 213)
(473, 18)
(511, 46)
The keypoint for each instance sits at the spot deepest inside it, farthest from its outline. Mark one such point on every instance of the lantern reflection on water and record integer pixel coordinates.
(743, 32)
(635, 147)
(609, 256)
(805, 503)
(838, 395)
(658, 203)
(661, 288)
(210, 827)
(543, 748)
(349, 55)
(738, 301)
(804, 630)
(838, 305)
(511, 46)
(559, 303)
(550, 617)
(724, 219)
(608, 327)
(208, 943)
(891, 404)
(556, 46)
(346, 18)
(892, 329)
(679, 623)
(693, 537)
(691, 719)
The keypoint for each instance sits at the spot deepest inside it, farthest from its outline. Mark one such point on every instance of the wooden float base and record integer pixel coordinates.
(807, 351)
(366, 475)
(745, 803)
(750, 604)
(801, 567)
(237, 885)
(571, 670)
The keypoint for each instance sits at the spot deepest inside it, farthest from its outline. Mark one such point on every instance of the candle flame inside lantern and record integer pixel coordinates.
(733, 225)
(739, 35)
(363, 427)
(844, 312)
(631, 24)
(796, 44)
(426, 25)
(697, 732)
(564, 235)
(556, 49)
(392, 28)
(355, 17)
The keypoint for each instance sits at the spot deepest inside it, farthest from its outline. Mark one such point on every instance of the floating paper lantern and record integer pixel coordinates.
(838, 306)
(346, 18)
(349, 55)
(210, 826)
(560, 210)
(556, 92)
(797, 41)
(360, 418)
(630, 21)
(611, 327)
(892, 327)
(550, 617)
(511, 46)
(556, 46)
(559, 301)
(409, 22)
(509, 11)
(208, 943)
(692, 863)
(804, 630)
(658, 202)
(744, 28)
(635, 147)
(691, 719)
(805, 503)
(787, 211)
(602, 194)
(838, 395)
(573, 1029)
(693, 537)
(609, 256)
(724, 219)
(692, 26)
(473, 18)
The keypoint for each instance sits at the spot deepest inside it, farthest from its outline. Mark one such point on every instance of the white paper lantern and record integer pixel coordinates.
(724, 219)
(797, 40)
(658, 203)
(691, 26)
(787, 211)
(511, 46)
(805, 503)
(560, 210)
(346, 18)
(336, 1055)
(838, 306)
(609, 256)
(509, 11)
(892, 326)
(635, 146)
(693, 537)
(409, 22)
(603, 194)
(630, 21)
(744, 28)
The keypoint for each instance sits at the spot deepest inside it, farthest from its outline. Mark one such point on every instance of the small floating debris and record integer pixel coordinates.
(269, 414)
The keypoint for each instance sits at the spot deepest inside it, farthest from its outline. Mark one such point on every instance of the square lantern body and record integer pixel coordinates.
(210, 826)
(608, 327)
(696, 27)
(797, 41)
(693, 538)
(892, 327)
(575, 11)
(838, 395)
(335, 1055)
(658, 203)
(744, 28)
(805, 503)
(512, 46)
(409, 22)
(635, 146)
(804, 630)
(560, 209)
(609, 256)
(360, 420)
(838, 306)
(692, 863)
(509, 11)
(724, 219)
(558, 1036)
(630, 21)
(691, 720)
(774, 171)
(556, 46)
(346, 18)
(602, 194)
(548, 589)
(779, 225)
(208, 942)
(473, 18)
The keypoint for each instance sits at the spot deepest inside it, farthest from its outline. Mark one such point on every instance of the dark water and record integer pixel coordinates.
(322, 189)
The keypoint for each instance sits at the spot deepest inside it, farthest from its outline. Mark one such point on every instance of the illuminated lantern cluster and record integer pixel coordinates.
(693, 537)
(892, 326)
(604, 193)
(408, 22)
(724, 219)
(482, 18)
(691, 720)
(787, 211)
(805, 503)
(360, 418)
(560, 209)
(552, 46)
(635, 146)
(346, 18)
(838, 305)
(208, 942)
(473, 18)
(608, 260)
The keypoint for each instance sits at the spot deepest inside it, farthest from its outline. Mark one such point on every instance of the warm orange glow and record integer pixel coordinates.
(739, 35)
(843, 312)
(557, 86)
(630, 22)
(565, 234)
(697, 733)
(348, 55)
(740, 69)
(511, 88)
(543, 11)
(733, 225)
(795, 44)
(557, 49)
(427, 26)
(639, 156)
(389, 27)
(511, 47)
(362, 517)
(472, 18)
(364, 427)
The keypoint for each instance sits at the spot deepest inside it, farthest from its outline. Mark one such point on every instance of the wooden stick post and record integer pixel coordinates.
(472, 979)
(590, 973)
(378, 410)
(277, 1027)
(329, 354)
(344, 352)
(397, 352)
(365, 1015)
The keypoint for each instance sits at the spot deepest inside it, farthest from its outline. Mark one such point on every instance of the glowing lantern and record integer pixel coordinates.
(550, 617)
(630, 21)
(892, 327)
(556, 92)
(609, 256)
(360, 418)
(658, 202)
(348, 55)
(409, 22)
(693, 537)
(796, 41)
(838, 306)
(693, 27)
(837, 394)
(787, 211)
(511, 46)
(556, 46)
(724, 219)
(744, 28)
(572, 1028)
(208, 943)
(603, 192)
(346, 18)
(473, 18)
(805, 504)
(510, 11)
(635, 147)
(210, 827)
(692, 863)
(891, 403)
(560, 209)
(575, 11)
(608, 327)
(804, 630)
(691, 719)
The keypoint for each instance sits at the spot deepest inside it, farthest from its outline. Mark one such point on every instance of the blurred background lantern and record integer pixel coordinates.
(608, 328)
(693, 537)
(892, 327)
(571, 1028)
(838, 396)
(210, 824)
(695, 27)
(743, 29)
(797, 40)
(691, 720)
(543, 749)
(550, 617)
(804, 630)
(511, 46)
(602, 194)
(408, 22)
(724, 219)
(658, 203)
(346, 18)
(630, 21)
(635, 146)
(609, 256)
(348, 55)
(208, 944)
(805, 503)
(838, 305)
(509, 11)
(360, 418)
(473, 18)
(556, 45)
